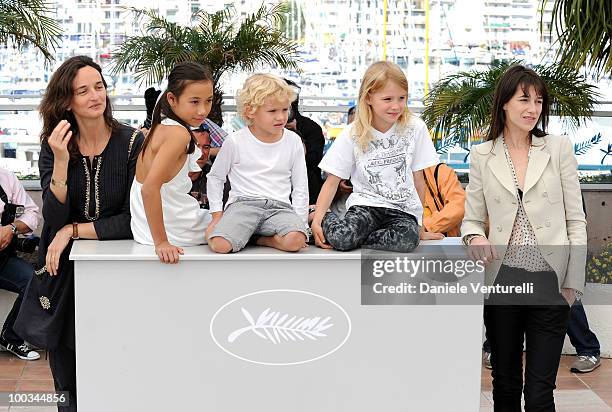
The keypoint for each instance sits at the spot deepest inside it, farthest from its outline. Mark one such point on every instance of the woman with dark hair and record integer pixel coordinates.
(524, 188)
(87, 164)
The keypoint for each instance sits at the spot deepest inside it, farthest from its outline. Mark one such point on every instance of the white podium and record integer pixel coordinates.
(261, 330)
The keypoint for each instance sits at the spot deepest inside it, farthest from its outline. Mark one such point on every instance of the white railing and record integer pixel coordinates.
(19, 115)
(339, 104)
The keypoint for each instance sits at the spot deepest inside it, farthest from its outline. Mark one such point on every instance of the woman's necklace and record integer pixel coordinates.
(96, 166)
(94, 149)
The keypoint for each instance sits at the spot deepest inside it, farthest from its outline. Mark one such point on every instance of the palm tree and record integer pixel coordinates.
(584, 30)
(213, 39)
(458, 107)
(27, 22)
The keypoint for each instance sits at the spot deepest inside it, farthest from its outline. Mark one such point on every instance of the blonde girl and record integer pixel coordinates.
(383, 153)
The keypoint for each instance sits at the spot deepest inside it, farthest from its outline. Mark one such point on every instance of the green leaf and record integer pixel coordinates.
(217, 40)
(584, 30)
(29, 22)
(458, 107)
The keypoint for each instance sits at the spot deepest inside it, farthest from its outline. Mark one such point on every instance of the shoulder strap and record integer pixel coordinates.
(3, 195)
(433, 195)
(436, 174)
(437, 184)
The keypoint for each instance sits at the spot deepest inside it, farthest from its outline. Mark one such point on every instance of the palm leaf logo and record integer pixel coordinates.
(583, 147)
(606, 152)
(277, 328)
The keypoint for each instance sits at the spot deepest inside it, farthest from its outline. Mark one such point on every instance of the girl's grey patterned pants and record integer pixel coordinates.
(373, 228)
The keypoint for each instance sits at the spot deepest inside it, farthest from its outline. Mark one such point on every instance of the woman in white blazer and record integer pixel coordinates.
(524, 219)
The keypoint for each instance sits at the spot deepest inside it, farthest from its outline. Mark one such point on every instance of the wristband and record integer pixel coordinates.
(75, 231)
(467, 239)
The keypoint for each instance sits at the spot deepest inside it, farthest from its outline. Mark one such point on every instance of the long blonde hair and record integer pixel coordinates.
(375, 78)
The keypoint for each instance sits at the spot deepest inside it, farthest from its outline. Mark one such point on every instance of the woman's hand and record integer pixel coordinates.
(56, 248)
(481, 249)
(569, 295)
(58, 141)
(168, 253)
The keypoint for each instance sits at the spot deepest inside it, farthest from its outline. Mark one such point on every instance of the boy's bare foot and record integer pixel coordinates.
(291, 242)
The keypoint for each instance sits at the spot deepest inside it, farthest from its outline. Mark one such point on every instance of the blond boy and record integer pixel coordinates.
(266, 167)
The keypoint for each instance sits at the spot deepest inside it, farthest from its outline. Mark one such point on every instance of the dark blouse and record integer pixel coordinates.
(98, 192)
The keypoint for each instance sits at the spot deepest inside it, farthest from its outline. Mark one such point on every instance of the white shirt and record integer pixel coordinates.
(185, 223)
(17, 195)
(382, 176)
(260, 170)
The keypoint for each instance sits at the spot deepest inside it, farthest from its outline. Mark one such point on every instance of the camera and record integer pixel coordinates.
(20, 244)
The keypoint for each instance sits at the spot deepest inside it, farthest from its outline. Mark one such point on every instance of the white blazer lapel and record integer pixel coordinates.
(500, 168)
(537, 163)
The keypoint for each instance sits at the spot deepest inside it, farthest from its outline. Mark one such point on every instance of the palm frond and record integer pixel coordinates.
(259, 42)
(571, 96)
(584, 31)
(459, 105)
(218, 40)
(29, 22)
(443, 146)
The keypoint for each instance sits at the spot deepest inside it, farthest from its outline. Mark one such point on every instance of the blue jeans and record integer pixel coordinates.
(14, 277)
(580, 335)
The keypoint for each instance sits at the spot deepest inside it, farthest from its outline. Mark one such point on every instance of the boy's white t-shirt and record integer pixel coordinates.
(260, 170)
(382, 176)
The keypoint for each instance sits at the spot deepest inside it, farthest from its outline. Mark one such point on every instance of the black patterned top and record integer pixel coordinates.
(98, 192)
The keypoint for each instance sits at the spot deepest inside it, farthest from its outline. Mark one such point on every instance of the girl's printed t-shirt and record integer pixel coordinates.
(382, 176)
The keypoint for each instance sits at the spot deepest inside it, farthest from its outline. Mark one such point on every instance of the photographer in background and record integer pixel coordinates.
(19, 216)
(312, 137)
(200, 169)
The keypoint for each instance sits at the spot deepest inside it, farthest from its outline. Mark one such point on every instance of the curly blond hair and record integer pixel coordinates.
(257, 88)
